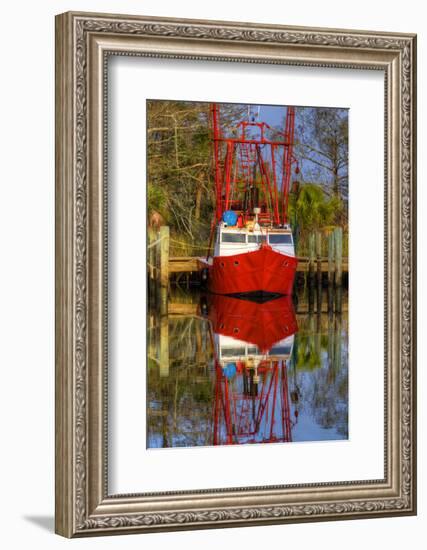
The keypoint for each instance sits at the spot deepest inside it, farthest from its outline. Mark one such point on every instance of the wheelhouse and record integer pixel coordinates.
(231, 241)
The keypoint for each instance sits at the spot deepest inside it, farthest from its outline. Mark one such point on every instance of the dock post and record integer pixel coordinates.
(163, 299)
(164, 237)
(331, 258)
(318, 334)
(164, 268)
(151, 337)
(319, 271)
(338, 256)
(151, 237)
(331, 341)
(311, 262)
(338, 299)
(338, 268)
(319, 256)
(164, 347)
(311, 254)
(151, 259)
(337, 344)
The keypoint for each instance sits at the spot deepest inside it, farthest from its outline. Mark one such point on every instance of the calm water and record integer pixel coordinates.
(228, 371)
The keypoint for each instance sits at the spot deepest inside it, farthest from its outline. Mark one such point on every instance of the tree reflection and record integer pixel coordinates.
(320, 364)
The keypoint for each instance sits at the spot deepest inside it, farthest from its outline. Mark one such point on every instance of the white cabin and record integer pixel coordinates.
(234, 240)
(231, 350)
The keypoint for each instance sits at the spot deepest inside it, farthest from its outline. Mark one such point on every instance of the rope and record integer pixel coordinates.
(187, 245)
(183, 245)
(155, 242)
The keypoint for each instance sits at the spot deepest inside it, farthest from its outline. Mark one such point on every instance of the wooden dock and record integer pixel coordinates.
(183, 264)
(189, 264)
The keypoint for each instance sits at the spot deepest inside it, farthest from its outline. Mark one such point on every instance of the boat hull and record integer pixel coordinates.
(263, 271)
(260, 324)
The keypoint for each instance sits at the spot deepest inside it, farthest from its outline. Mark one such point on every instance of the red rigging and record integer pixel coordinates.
(251, 249)
(252, 343)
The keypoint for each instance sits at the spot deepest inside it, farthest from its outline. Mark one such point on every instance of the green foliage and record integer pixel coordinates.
(306, 356)
(178, 164)
(157, 200)
(313, 209)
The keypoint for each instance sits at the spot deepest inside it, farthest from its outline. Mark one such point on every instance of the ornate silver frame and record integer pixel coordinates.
(83, 42)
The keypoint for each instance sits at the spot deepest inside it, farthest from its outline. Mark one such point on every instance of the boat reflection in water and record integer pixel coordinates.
(226, 371)
(252, 344)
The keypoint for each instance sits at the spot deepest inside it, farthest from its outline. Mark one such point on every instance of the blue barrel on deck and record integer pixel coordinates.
(230, 217)
(229, 370)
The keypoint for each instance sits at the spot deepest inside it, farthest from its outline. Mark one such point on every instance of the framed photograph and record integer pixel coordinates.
(235, 274)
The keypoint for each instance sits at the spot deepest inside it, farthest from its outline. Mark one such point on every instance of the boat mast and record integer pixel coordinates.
(238, 156)
(287, 160)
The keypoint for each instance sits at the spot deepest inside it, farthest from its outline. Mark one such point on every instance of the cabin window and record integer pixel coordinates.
(280, 238)
(233, 238)
(233, 352)
(280, 350)
(256, 239)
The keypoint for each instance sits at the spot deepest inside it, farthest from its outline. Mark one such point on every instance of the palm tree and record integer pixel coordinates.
(312, 210)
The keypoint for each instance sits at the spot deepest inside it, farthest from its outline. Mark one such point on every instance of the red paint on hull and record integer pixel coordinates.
(259, 324)
(263, 270)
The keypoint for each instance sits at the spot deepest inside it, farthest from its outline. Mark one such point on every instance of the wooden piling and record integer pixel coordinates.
(319, 298)
(331, 267)
(338, 255)
(338, 269)
(331, 346)
(162, 301)
(331, 258)
(312, 334)
(151, 259)
(164, 346)
(319, 256)
(151, 235)
(164, 237)
(330, 298)
(151, 336)
(311, 254)
(200, 349)
(338, 345)
(338, 299)
(319, 271)
(311, 266)
(318, 336)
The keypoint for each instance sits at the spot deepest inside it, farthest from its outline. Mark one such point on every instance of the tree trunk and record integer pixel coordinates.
(198, 203)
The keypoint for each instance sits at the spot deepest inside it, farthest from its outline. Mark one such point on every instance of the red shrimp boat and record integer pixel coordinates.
(253, 248)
